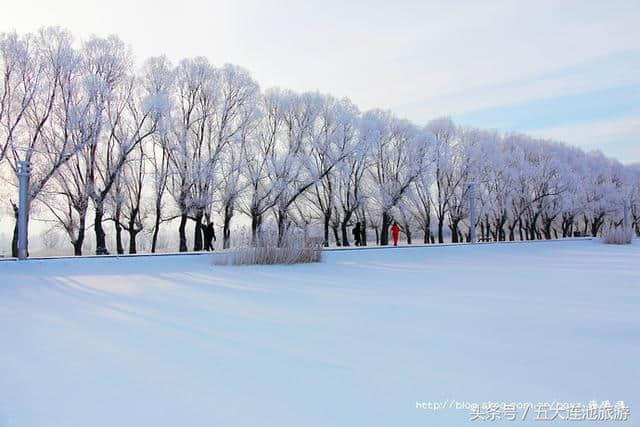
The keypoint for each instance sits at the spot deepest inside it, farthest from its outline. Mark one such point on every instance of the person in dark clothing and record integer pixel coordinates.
(357, 233)
(209, 236)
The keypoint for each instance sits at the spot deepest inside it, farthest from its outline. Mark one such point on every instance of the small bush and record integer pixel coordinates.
(294, 250)
(617, 236)
(269, 255)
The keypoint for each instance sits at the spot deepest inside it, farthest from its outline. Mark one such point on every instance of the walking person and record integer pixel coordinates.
(209, 236)
(395, 233)
(357, 233)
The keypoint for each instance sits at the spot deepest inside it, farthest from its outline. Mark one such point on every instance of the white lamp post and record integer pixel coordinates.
(472, 212)
(24, 169)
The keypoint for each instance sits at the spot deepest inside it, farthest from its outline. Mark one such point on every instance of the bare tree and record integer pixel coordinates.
(293, 166)
(336, 127)
(40, 143)
(133, 179)
(258, 159)
(131, 115)
(399, 157)
(158, 78)
(444, 132)
(22, 70)
(80, 117)
(212, 105)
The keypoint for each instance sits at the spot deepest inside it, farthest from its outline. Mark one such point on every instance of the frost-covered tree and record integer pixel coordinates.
(336, 129)
(259, 154)
(132, 114)
(195, 142)
(495, 182)
(400, 154)
(35, 137)
(303, 139)
(418, 204)
(211, 114)
(23, 71)
(132, 179)
(158, 78)
(351, 175)
(238, 124)
(444, 133)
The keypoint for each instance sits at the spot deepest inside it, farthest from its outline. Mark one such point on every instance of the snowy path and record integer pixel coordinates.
(355, 341)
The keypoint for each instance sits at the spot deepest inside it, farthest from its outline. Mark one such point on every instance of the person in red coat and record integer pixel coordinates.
(395, 233)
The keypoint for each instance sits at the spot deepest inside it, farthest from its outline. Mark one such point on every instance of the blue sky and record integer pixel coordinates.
(602, 114)
(568, 70)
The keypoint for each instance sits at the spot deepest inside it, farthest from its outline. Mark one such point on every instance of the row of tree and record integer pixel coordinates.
(193, 144)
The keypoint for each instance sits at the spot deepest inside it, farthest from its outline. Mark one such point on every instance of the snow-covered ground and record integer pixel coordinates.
(359, 340)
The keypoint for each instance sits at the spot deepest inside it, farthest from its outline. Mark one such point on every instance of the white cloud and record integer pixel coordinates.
(618, 137)
(611, 71)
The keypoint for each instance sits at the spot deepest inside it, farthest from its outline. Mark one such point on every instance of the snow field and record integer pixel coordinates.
(355, 341)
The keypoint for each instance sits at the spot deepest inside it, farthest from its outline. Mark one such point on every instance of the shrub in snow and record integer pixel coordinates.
(50, 239)
(294, 250)
(269, 255)
(617, 236)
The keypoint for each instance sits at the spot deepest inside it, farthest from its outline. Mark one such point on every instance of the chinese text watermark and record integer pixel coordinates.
(593, 410)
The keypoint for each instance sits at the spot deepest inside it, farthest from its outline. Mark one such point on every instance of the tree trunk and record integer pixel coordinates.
(181, 232)
(132, 241)
(363, 225)
(101, 244)
(77, 244)
(345, 236)
(441, 229)
(156, 229)
(133, 233)
(547, 228)
(512, 228)
(282, 218)
(226, 228)
(426, 239)
(586, 226)
(384, 235)
(595, 225)
(327, 219)
(336, 235)
(343, 226)
(499, 226)
(427, 229)
(567, 226)
(535, 234)
(454, 231)
(197, 232)
(487, 226)
(255, 227)
(119, 246)
(407, 232)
